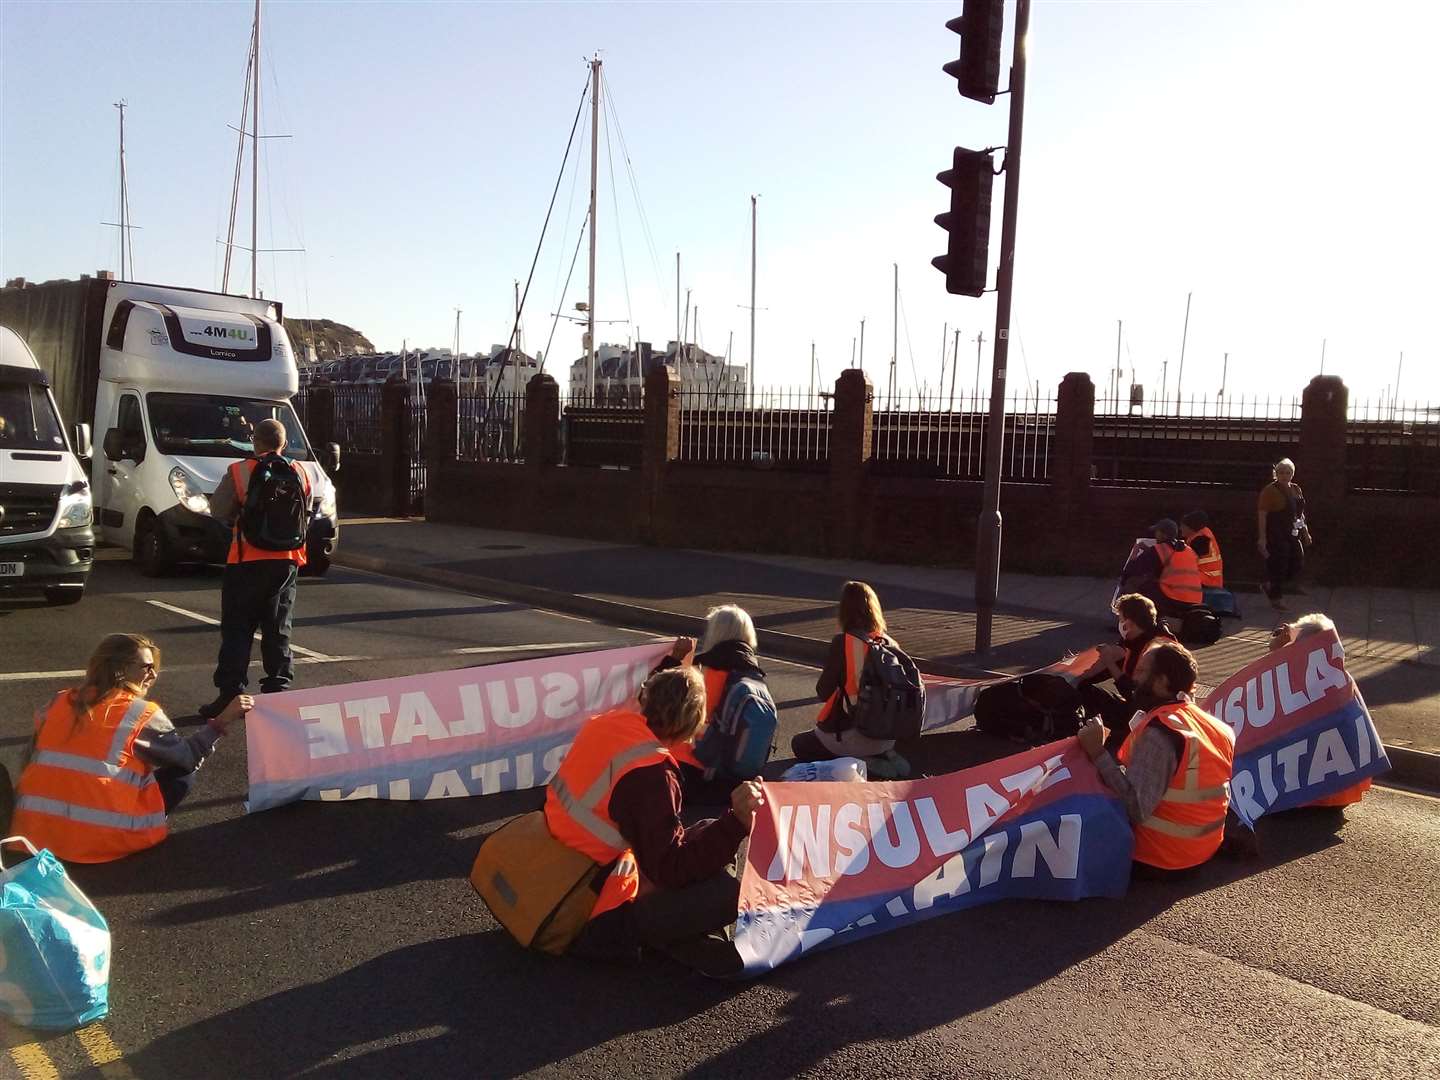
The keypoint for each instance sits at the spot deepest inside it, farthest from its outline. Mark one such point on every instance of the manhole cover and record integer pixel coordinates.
(502, 547)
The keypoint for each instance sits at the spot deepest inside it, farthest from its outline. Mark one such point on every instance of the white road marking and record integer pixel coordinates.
(537, 647)
(26, 676)
(317, 657)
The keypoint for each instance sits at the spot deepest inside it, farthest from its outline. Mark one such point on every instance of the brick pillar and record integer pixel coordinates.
(1320, 470)
(850, 449)
(541, 434)
(1072, 452)
(442, 417)
(661, 446)
(320, 414)
(394, 491)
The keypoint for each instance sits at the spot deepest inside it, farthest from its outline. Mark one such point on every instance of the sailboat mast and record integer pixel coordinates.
(752, 296)
(124, 199)
(255, 163)
(894, 330)
(594, 181)
(239, 165)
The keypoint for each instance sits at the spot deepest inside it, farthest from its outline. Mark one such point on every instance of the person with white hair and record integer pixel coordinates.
(1282, 532)
(727, 662)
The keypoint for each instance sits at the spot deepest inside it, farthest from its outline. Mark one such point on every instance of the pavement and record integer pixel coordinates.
(1392, 636)
(342, 941)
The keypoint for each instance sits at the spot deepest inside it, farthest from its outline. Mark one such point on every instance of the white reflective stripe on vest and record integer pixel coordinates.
(1192, 792)
(88, 815)
(1171, 828)
(128, 724)
(57, 759)
(582, 809)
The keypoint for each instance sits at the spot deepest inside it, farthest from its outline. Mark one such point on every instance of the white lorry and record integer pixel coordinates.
(176, 380)
(47, 544)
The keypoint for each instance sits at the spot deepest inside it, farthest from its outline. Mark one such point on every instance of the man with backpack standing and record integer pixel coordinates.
(266, 499)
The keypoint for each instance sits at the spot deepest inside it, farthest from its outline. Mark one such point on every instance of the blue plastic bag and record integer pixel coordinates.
(54, 946)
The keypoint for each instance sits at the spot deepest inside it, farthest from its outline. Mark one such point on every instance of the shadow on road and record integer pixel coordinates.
(270, 858)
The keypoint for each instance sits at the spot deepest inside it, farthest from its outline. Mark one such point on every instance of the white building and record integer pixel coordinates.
(620, 372)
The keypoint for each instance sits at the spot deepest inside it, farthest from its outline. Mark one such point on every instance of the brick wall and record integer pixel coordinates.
(1068, 525)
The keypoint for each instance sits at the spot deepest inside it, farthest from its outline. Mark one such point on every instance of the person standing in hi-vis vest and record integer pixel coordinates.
(1174, 768)
(107, 766)
(266, 499)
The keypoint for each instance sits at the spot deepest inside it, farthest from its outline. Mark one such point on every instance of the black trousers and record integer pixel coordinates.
(1112, 708)
(257, 595)
(690, 925)
(1284, 563)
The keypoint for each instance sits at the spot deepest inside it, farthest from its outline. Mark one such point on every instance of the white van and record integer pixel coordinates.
(47, 545)
(177, 379)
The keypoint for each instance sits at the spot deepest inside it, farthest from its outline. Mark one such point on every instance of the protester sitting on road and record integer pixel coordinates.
(1298, 630)
(107, 766)
(1173, 770)
(1282, 529)
(1168, 572)
(1195, 530)
(860, 620)
(617, 799)
(1140, 631)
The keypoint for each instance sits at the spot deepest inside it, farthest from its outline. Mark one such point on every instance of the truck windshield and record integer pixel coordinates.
(206, 426)
(27, 418)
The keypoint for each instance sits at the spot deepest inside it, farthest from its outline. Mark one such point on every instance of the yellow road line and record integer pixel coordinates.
(32, 1061)
(104, 1053)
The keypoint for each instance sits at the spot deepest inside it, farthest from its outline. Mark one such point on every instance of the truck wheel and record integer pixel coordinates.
(151, 552)
(60, 596)
(317, 561)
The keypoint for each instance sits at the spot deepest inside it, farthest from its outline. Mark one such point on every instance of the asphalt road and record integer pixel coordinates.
(344, 941)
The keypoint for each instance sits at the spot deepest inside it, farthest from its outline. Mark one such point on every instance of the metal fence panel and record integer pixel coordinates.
(607, 429)
(935, 435)
(490, 427)
(357, 418)
(779, 427)
(1393, 447)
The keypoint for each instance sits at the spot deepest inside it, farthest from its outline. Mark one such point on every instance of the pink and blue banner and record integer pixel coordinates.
(475, 731)
(831, 863)
(1302, 730)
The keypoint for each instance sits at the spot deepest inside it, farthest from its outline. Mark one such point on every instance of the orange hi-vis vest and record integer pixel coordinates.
(856, 650)
(84, 794)
(240, 473)
(577, 802)
(1179, 573)
(1212, 566)
(1188, 824)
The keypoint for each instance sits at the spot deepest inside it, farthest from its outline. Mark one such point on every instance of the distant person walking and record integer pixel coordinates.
(1283, 533)
(266, 499)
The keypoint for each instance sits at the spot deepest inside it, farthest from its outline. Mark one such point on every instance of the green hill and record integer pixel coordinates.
(330, 339)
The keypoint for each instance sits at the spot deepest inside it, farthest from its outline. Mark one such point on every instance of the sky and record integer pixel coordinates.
(1268, 159)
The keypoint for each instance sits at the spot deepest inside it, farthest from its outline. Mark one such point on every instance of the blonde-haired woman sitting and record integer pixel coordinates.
(107, 766)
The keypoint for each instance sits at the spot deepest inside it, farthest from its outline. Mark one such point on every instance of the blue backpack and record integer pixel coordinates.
(739, 741)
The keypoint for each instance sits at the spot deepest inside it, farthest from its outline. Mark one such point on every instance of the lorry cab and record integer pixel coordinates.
(47, 545)
(184, 377)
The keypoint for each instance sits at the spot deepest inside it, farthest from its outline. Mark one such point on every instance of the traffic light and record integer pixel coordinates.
(980, 26)
(966, 262)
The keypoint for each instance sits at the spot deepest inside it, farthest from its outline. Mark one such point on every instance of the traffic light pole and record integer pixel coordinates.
(987, 544)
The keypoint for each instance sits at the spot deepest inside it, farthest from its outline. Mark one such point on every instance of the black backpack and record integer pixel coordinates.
(276, 514)
(1035, 709)
(1200, 626)
(890, 703)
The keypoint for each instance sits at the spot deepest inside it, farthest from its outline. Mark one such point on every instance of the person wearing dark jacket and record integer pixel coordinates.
(1168, 571)
(860, 620)
(694, 895)
(727, 648)
(1140, 631)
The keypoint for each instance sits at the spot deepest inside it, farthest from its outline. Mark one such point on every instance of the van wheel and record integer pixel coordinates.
(151, 552)
(317, 559)
(61, 597)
